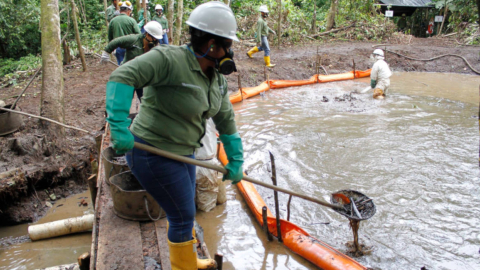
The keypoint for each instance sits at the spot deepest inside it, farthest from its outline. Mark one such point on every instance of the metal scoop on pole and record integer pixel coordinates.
(340, 208)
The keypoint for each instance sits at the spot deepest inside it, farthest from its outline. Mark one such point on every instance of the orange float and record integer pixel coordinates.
(295, 238)
(247, 92)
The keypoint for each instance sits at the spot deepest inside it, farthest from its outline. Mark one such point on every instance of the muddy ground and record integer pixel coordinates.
(63, 171)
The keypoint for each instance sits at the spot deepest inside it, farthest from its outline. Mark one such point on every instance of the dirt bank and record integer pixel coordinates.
(27, 149)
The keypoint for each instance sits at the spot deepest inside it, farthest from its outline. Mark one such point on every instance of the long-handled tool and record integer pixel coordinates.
(166, 154)
(366, 90)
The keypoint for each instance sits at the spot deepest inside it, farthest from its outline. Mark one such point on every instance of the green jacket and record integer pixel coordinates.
(132, 43)
(122, 25)
(178, 99)
(110, 12)
(162, 20)
(141, 21)
(262, 29)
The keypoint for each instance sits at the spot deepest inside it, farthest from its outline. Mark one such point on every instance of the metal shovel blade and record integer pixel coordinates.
(363, 207)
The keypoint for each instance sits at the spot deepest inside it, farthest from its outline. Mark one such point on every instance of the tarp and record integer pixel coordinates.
(407, 3)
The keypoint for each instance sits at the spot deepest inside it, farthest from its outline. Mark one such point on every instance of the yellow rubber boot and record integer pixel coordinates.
(267, 61)
(204, 263)
(252, 51)
(183, 256)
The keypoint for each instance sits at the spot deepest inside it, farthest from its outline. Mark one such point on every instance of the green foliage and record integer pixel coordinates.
(9, 67)
(19, 28)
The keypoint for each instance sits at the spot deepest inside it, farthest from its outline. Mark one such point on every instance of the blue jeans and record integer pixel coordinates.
(265, 48)
(120, 54)
(172, 184)
(139, 92)
(164, 40)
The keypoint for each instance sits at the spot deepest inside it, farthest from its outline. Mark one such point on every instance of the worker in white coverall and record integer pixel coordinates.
(380, 75)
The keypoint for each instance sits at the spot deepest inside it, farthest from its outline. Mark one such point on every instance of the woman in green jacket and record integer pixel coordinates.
(183, 87)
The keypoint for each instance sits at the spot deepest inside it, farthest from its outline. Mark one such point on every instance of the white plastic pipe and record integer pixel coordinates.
(61, 227)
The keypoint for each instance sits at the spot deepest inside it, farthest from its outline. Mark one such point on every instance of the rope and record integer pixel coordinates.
(431, 59)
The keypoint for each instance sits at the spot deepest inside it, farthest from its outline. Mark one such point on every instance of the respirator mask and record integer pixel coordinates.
(151, 43)
(224, 65)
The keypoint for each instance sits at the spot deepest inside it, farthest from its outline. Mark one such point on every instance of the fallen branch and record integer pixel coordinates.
(452, 34)
(47, 119)
(31, 80)
(332, 31)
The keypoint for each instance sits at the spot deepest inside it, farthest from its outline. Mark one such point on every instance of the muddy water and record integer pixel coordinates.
(415, 153)
(18, 252)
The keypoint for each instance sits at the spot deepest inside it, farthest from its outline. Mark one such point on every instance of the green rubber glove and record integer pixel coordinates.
(373, 83)
(119, 100)
(234, 150)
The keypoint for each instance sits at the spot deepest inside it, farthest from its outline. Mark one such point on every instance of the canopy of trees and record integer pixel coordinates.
(20, 19)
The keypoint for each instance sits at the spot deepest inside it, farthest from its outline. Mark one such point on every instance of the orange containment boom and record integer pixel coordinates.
(295, 238)
(248, 92)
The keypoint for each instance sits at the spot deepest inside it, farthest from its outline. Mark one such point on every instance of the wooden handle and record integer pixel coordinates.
(176, 157)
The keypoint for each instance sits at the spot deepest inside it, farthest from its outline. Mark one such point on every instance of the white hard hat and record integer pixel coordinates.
(141, 1)
(263, 8)
(154, 29)
(214, 18)
(378, 52)
(158, 7)
(125, 4)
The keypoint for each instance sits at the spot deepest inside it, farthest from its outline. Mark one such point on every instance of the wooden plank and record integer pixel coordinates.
(161, 227)
(98, 203)
(119, 240)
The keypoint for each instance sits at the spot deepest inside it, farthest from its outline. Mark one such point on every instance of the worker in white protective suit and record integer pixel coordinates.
(380, 75)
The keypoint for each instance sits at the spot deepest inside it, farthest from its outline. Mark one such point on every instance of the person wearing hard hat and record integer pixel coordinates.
(112, 10)
(402, 23)
(122, 25)
(261, 37)
(141, 20)
(380, 74)
(160, 17)
(135, 45)
(184, 86)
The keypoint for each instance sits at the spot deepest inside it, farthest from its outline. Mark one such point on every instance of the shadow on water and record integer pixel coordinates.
(415, 153)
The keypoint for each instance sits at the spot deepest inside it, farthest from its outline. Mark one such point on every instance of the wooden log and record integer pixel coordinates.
(333, 31)
(84, 261)
(60, 227)
(72, 266)
(92, 186)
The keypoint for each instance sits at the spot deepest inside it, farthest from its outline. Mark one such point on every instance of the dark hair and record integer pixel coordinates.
(198, 38)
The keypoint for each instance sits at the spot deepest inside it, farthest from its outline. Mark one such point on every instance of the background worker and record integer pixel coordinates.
(112, 10)
(261, 36)
(160, 17)
(402, 23)
(380, 75)
(141, 20)
(135, 45)
(184, 86)
(122, 25)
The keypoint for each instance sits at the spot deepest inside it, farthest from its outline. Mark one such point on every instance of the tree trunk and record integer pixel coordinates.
(279, 26)
(66, 53)
(105, 6)
(478, 11)
(145, 12)
(170, 18)
(444, 18)
(52, 96)
(178, 23)
(331, 15)
(314, 19)
(77, 36)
